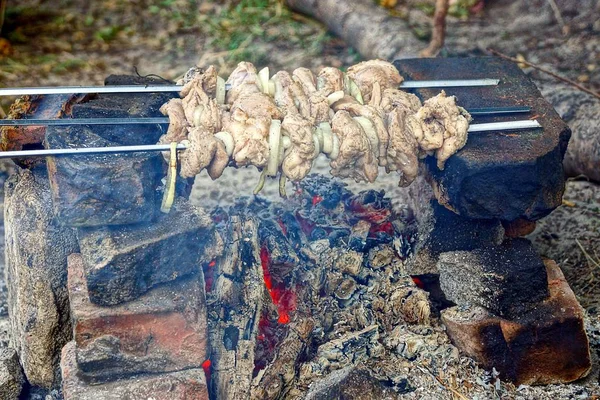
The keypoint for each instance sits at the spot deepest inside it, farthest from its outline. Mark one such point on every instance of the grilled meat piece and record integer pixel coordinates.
(440, 126)
(299, 157)
(355, 159)
(243, 79)
(201, 149)
(364, 74)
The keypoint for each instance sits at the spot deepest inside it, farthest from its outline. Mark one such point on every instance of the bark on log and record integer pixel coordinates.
(369, 29)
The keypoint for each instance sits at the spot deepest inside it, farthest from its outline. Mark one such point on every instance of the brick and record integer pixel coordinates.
(546, 345)
(123, 262)
(162, 331)
(183, 385)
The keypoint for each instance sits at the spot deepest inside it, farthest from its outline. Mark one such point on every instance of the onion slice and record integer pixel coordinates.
(286, 141)
(371, 133)
(317, 146)
(355, 92)
(335, 151)
(263, 78)
(327, 137)
(169, 194)
(274, 143)
(227, 140)
(220, 93)
(335, 96)
(197, 115)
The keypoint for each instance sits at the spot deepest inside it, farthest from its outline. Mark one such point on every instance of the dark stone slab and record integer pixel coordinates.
(123, 262)
(503, 175)
(131, 105)
(508, 279)
(545, 345)
(104, 189)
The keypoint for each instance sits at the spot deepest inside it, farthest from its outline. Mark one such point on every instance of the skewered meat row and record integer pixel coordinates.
(359, 119)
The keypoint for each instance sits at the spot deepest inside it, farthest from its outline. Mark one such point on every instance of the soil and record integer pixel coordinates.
(73, 42)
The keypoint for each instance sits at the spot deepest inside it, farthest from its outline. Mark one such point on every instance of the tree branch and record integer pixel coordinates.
(439, 29)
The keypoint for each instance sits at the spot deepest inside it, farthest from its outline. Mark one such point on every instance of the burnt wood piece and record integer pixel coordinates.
(123, 262)
(546, 345)
(164, 330)
(13, 138)
(189, 384)
(106, 189)
(497, 175)
(508, 279)
(235, 306)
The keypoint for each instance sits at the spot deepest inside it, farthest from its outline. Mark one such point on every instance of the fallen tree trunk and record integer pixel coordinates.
(369, 29)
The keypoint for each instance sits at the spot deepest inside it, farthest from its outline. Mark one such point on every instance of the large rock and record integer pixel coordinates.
(162, 331)
(507, 279)
(497, 175)
(104, 189)
(189, 384)
(36, 276)
(123, 262)
(545, 345)
(11, 375)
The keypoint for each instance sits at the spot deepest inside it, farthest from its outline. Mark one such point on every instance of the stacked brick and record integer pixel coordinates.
(115, 283)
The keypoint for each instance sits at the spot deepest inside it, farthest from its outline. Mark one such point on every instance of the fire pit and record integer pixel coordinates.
(330, 290)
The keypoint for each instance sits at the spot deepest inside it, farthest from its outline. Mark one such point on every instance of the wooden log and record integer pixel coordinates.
(367, 28)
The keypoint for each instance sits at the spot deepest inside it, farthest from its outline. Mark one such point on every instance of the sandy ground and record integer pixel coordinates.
(85, 42)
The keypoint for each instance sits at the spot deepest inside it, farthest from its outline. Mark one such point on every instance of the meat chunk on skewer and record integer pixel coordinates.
(298, 158)
(403, 148)
(289, 96)
(203, 150)
(355, 159)
(178, 124)
(317, 100)
(440, 126)
(364, 74)
(243, 79)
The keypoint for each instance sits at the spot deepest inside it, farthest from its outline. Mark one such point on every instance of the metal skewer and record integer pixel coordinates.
(493, 126)
(177, 88)
(163, 120)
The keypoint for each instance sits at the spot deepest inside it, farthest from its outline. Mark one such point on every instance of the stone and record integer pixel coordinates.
(103, 189)
(162, 331)
(36, 276)
(11, 375)
(128, 105)
(123, 262)
(350, 383)
(497, 175)
(546, 345)
(189, 384)
(508, 279)
(441, 230)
